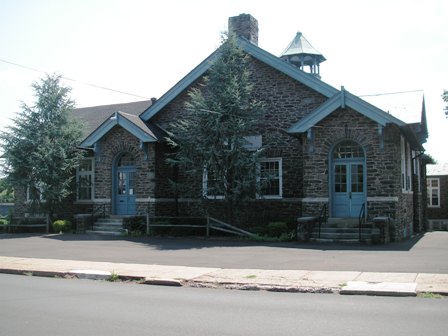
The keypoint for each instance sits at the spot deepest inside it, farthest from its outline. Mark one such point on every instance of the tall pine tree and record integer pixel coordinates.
(210, 142)
(40, 147)
(445, 99)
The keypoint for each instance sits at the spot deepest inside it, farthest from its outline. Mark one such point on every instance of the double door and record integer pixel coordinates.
(348, 192)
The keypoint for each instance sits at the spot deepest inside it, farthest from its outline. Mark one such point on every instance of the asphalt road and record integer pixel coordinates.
(48, 306)
(425, 254)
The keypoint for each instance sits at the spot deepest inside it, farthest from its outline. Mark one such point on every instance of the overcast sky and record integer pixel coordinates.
(145, 47)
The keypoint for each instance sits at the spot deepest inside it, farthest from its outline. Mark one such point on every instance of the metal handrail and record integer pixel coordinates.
(322, 216)
(361, 218)
(98, 209)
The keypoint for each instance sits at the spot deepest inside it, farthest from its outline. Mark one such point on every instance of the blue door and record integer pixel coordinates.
(125, 192)
(124, 185)
(348, 179)
(348, 188)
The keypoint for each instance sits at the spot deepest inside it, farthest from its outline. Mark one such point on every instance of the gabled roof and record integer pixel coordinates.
(254, 51)
(133, 124)
(344, 99)
(92, 117)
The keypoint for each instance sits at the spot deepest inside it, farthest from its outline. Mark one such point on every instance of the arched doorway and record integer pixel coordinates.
(348, 179)
(124, 185)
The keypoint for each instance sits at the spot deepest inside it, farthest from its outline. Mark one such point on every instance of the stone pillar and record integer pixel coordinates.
(83, 222)
(382, 224)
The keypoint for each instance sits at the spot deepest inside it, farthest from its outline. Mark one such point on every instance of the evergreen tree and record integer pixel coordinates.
(6, 191)
(445, 99)
(40, 147)
(210, 142)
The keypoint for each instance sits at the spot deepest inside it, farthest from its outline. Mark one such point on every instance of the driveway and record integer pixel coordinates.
(423, 254)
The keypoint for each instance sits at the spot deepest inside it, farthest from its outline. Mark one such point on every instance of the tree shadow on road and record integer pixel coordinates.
(187, 243)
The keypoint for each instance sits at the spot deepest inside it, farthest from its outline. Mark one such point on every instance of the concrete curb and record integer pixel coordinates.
(163, 282)
(91, 274)
(379, 288)
(290, 281)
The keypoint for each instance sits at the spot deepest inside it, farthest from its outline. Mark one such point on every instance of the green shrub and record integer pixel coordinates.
(62, 225)
(276, 229)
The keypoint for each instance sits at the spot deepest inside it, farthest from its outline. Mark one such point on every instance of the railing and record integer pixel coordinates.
(98, 210)
(361, 218)
(206, 223)
(176, 222)
(322, 216)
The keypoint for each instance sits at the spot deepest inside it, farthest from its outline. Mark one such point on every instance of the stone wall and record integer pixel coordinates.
(116, 142)
(382, 160)
(442, 211)
(285, 103)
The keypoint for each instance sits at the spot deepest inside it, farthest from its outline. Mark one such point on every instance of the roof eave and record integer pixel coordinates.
(344, 99)
(111, 122)
(177, 89)
(256, 52)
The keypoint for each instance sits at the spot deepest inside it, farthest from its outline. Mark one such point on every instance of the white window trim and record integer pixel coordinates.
(280, 178)
(416, 161)
(205, 187)
(258, 196)
(408, 168)
(406, 178)
(86, 173)
(28, 198)
(430, 189)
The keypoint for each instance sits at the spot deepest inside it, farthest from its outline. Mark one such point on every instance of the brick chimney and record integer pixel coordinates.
(244, 25)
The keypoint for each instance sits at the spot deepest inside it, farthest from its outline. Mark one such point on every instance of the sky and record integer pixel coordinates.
(144, 47)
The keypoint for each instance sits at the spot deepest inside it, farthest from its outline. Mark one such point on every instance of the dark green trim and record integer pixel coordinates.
(254, 51)
(116, 119)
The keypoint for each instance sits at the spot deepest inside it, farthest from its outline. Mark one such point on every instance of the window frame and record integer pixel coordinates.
(85, 173)
(205, 187)
(406, 168)
(279, 178)
(41, 196)
(430, 189)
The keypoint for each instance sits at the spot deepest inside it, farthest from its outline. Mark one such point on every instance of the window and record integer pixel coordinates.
(347, 150)
(271, 178)
(210, 185)
(35, 191)
(433, 185)
(416, 162)
(85, 179)
(405, 150)
(126, 160)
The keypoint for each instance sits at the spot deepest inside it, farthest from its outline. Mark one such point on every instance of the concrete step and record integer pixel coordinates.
(343, 220)
(102, 232)
(339, 236)
(345, 241)
(342, 230)
(345, 225)
(108, 225)
(118, 221)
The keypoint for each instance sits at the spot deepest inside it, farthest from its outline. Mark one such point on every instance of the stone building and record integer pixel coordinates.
(326, 148)
(437, 186)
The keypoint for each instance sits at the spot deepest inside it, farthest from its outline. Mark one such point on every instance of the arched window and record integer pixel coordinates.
(126, 160)
(348, 149)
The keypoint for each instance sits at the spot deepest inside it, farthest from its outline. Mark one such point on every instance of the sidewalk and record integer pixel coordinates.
(366, 283)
